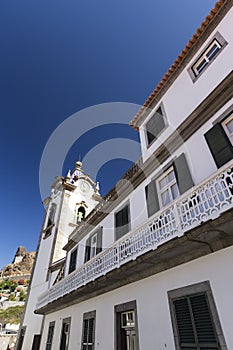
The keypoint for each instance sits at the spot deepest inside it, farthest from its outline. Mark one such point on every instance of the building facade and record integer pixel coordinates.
(149, 266)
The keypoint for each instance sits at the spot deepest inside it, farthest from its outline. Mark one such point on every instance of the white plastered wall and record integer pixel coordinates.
(154, 321)
(184, 96)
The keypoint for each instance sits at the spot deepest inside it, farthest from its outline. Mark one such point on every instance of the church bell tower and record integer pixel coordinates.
(71, 199)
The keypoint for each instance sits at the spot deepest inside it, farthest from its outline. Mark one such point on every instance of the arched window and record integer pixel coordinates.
(81, 214)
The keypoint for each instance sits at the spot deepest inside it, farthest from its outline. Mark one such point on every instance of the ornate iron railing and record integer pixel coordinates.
(203, 202)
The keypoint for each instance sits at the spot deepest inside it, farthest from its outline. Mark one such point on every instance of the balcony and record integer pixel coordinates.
(199, 207)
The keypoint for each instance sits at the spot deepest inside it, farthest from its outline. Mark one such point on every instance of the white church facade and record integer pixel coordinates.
(149, 266)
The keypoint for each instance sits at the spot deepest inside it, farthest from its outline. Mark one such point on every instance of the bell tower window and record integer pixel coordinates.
(81, 214)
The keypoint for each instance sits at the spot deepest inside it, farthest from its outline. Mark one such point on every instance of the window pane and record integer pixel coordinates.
(166, 199)
(201, 65)
(90, 331)
(212, 52)
(85, 329)
(175, 191)
(229, 126)
(73, 260)
(163, 182)
(171, 176)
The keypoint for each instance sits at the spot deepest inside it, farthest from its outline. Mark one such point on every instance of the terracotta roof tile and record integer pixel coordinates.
(181, 56)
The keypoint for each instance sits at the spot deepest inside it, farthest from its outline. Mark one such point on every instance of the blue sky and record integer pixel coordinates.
(59, 57)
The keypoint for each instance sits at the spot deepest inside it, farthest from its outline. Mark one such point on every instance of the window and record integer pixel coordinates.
(36, 342)
(167, 187)
(73, 260)
(128, 319)
(126, 326)
(207, 56)
(88, 333)
(175, 180)
(155, 125)
(50, 221)
(228, 127)
(219, 140)
(65, 333)
(94, 244)
(122, 222)
(21, 338)
(50, 336)
(194, 317)
(81, 214)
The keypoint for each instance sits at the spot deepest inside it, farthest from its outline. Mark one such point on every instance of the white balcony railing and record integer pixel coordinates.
(203, 202)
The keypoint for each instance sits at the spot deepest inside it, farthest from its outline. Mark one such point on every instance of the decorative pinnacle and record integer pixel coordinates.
(68, 176)
(78, 164)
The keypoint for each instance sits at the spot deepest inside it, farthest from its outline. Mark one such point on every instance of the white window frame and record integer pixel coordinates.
(167, 186)
(130, 322)
(49, 341)
(66, 322)
(86, 317)
(226, 129)
(204, 57)
(217, 40)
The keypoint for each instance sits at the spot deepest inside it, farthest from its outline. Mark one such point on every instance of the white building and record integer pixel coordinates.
(151, 266)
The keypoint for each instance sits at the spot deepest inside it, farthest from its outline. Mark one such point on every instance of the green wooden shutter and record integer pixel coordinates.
(194, 323)
(99, 240)
(122, 222)
(219, 144)
(155, 125)
(87, 250)
(73, 260)
(184, 322)
(152, 200)
(182, 172)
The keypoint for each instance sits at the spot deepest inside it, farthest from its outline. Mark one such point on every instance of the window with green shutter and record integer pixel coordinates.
(194, 316)
(93, 244)
(174, 181)
(194, 322)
